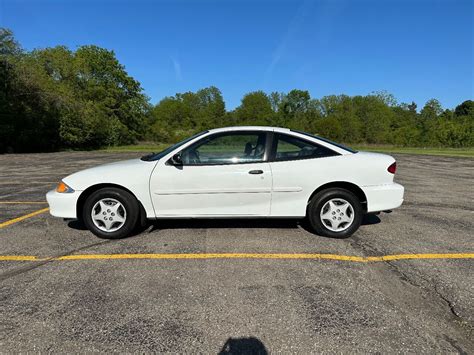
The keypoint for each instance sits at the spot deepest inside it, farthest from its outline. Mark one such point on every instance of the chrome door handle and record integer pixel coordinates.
(256, 172)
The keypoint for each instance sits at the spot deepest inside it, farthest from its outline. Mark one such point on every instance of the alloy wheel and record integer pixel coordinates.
(337, 215)
(108, 214)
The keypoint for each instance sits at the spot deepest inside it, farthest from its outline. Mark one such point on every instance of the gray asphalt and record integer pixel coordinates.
(240, 305)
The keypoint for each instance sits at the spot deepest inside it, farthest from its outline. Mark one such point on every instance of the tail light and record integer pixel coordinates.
(392, 168)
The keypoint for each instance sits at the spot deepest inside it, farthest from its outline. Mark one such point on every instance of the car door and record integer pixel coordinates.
(298, 167)
(224, 174)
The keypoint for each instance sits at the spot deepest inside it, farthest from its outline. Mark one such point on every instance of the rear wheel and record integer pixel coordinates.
(111, 213)
(335, 213)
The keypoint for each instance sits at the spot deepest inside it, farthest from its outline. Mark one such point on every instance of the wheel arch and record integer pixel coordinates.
(355, 189)
(93, 188)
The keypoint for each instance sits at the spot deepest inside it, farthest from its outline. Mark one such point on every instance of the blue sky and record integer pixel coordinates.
(415, 49)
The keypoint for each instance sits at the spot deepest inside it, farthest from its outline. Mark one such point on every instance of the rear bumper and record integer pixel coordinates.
(63, 204)
(383, 197)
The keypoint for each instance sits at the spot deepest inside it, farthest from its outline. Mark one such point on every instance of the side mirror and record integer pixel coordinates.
(176, 160)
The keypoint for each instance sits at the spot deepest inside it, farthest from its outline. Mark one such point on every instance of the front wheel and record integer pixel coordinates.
(111, 213)
(335, 213)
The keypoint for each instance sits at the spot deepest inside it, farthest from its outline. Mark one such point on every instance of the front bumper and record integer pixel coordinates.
(63, 204)
(383, 197)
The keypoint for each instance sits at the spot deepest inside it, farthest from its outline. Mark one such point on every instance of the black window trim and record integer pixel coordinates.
(267, 137)
(272, 155)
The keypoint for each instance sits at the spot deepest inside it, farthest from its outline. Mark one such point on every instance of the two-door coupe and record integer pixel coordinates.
(229, 173)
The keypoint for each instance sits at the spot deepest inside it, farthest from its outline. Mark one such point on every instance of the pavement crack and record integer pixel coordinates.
(366, 249)
(434, 288)
(21, 270)
(450, 305)
(455, 345)
(426, 285)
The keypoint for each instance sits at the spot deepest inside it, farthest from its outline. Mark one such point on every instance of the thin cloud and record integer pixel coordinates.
(322, 18)
(293, 26)
(177, 69)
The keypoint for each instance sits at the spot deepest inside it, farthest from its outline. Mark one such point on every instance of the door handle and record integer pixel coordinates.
(256, 172)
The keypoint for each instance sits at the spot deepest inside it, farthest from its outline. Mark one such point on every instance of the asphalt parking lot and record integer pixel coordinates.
(236, 286)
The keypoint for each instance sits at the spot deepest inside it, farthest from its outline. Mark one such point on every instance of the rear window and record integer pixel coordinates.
(326, 140)
(294, 148)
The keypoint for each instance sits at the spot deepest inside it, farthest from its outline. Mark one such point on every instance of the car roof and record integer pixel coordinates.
(249, 128)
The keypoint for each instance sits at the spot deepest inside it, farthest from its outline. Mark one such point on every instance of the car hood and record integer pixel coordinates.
(125, 173)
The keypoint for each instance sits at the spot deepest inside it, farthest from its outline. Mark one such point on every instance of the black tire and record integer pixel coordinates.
(317, 203)
(129, 203)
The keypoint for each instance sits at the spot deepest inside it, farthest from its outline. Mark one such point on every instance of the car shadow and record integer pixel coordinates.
(250, 223)
(76, 224)
(284, 223)
(370, 219)
(250, 345)
(207, 223)
(224, 223)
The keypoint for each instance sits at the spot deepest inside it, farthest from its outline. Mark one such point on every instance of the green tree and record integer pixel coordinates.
(427, 121)
(294, 103)
(212, 108)
(375, 118)
(386, 97)
(255, 109)
(276, 99)
(25, 120)
(8, 43)
(116, 95)
(465, 109)
(431, 110)
(179, 116)
(55, 97)
(404, 130)
(342, 124)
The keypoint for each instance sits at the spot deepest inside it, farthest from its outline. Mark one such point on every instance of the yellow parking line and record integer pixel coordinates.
(335, 257)
(18, 258)
(28, 182)
(19, 219)
(213, 256)
(23, 202)
(421, 256)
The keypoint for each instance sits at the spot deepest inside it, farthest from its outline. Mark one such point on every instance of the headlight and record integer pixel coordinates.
(63, 188)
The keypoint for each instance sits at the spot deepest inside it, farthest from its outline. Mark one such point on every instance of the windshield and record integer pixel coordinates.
(158, 156)
(326, 140)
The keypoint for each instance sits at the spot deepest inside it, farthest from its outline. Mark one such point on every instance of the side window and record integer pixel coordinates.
(226, 148)
(292, 148)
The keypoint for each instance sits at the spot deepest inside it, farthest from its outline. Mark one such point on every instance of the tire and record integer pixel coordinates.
(335, 213)
(116, 213)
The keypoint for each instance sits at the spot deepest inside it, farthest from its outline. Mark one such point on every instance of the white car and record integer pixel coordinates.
(234, 172)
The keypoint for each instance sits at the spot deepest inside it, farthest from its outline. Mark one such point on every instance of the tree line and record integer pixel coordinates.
(58, 98)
